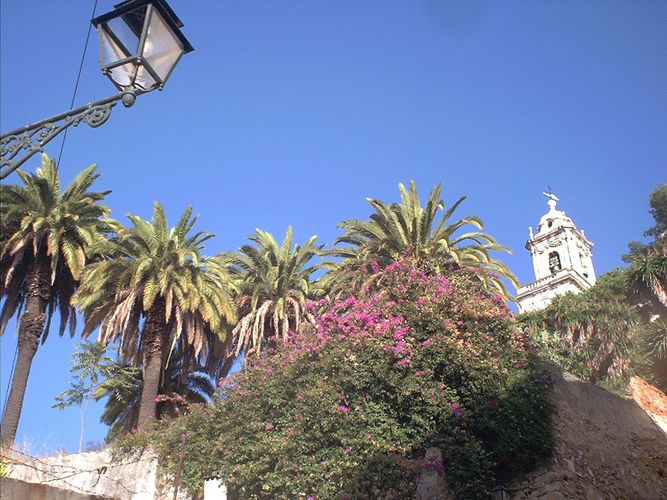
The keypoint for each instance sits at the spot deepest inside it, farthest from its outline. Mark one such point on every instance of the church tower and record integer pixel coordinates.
(562, 260)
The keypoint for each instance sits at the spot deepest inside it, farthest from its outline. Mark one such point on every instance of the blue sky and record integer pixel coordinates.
(295, 112)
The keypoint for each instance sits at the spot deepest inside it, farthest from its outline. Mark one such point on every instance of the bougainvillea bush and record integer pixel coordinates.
(349, 406)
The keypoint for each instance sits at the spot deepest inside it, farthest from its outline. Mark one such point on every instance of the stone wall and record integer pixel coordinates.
(607, 447)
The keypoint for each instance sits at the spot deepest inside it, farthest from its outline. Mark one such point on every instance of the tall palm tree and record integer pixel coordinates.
(181, 385)
(156, 289)
(46, 239)
(408, 229)
(275, 284)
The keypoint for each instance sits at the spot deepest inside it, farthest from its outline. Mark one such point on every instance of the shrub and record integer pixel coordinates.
(348, 407)
(601, 335)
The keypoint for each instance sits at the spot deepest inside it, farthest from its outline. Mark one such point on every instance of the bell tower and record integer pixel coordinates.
(562, 259)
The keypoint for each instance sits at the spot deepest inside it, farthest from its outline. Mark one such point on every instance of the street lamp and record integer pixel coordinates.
(140, 45)
(499, 492)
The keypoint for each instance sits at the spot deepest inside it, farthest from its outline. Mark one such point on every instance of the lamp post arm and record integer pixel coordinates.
(17, 146)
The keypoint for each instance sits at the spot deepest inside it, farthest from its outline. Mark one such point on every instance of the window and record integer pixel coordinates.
(554, 262)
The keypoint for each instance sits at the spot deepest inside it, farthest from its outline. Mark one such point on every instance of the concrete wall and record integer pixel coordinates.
(14, 489)
(214, 489)
(137, 478)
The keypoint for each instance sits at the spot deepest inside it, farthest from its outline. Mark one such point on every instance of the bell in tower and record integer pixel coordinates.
(562, 259)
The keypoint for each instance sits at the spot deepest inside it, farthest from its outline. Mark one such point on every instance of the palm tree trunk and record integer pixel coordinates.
(31, 327)
(154, 347)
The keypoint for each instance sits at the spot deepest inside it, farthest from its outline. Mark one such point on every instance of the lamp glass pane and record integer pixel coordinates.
(125, 34)
(144, 80)
(110, 49)
(122, 75)
(162, 48)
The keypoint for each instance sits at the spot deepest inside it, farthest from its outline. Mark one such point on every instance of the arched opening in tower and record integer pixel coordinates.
(554, 262)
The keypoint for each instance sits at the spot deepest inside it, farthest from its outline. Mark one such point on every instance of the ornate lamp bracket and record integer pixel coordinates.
(18, 146)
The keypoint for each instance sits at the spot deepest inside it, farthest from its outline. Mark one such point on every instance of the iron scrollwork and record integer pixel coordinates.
(27, 141)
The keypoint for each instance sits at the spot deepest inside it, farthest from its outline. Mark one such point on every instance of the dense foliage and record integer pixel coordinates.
(181, 385)
(347, 408)
(601, 336)
(588, 334)
(647, 278)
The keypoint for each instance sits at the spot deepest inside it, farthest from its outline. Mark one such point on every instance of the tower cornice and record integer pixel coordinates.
(538, 238)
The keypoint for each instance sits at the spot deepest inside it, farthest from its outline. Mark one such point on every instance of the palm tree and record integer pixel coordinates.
(647, 275)
(179, 387)
(153, 290)
(46, 239)
(408, 229)
(275, 283)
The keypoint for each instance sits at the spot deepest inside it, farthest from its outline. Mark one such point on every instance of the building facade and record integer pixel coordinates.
(562, 260)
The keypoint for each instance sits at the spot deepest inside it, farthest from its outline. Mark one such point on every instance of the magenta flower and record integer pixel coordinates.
(427, 342)
(399, 347)
(343, 409)
(456, 409)
(268, 426)
(393, 267)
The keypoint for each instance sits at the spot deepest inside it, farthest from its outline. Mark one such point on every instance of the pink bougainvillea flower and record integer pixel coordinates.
(398, 348)
(427, 342)
(268, 426)
(456, 409)
(343, 409)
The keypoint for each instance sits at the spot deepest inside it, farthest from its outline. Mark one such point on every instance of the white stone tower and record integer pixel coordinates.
(562, 260)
